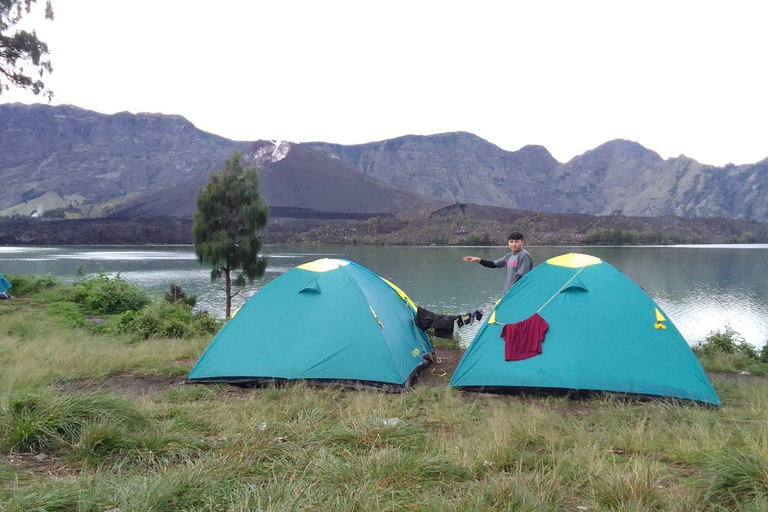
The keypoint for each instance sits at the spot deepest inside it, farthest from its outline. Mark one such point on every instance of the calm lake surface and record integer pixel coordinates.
(701, 288)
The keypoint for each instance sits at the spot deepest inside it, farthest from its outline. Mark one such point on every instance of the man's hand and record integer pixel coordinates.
(474, 259)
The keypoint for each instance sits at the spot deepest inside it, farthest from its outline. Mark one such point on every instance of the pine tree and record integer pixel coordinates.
(230, 213)
(21, 50)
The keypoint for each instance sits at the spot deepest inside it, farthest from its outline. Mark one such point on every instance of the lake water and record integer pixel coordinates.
(701, 288)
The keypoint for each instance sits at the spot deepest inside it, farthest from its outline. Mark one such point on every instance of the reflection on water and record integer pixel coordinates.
(701, 288)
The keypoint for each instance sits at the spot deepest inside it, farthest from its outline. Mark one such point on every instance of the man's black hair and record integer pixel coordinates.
(515, 235)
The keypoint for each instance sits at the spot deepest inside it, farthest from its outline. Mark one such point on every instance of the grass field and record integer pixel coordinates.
(91, 421)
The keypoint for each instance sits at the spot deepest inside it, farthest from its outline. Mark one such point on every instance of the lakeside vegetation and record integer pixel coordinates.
(454, 225)
(76, 433)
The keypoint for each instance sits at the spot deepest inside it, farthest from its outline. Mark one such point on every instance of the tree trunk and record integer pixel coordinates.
(228, 290)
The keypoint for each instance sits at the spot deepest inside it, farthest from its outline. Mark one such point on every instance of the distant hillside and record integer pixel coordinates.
(91, 158)
(454, 167)
(144, 165)
(291, 178)
(455, 224)
(618, 177)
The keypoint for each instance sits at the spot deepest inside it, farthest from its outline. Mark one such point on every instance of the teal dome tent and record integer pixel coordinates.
(327, 321)
(4, 287)
(605, 334)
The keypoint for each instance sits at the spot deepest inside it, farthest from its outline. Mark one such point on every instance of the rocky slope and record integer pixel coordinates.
(291, 178)
(618, 177)
(86, 157)
(145, 165)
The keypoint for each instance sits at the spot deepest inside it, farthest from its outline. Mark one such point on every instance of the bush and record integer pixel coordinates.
(475, 239)
(728, 351)
(25, 285)
(612, 236)
(176, 294)
(167, 320)
(109, 295)
(728, 342)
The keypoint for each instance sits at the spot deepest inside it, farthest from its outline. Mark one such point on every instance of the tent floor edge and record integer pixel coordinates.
(267, 382)
(583, 394)
(426, 360)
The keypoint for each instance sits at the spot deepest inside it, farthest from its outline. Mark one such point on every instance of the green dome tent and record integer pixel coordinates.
(605, 334)
(328, 321)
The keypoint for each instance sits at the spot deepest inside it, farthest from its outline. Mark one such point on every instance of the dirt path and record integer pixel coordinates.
(134, 385)
(440, 373)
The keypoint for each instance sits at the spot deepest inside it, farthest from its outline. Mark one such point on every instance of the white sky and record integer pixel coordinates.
(679, 77)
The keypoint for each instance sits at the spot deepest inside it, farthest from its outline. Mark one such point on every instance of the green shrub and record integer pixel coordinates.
(476, 239)
(109, 295)
(729, 351)
(176, 294)
(57, 213)
(611, 236)
(26, 285)
(167, 320)
(727, 342)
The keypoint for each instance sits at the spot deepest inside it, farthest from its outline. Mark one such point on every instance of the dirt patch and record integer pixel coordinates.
(440, 372)
(185, 362)
(95, 319)
(134, 385)
(40, 463)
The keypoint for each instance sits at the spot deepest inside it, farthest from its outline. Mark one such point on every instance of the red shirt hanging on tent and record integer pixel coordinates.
(523, 339)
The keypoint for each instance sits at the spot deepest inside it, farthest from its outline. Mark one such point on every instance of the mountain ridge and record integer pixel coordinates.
(152, 164)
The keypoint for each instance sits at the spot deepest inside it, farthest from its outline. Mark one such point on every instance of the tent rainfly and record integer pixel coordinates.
(605, 334)
(327, 321)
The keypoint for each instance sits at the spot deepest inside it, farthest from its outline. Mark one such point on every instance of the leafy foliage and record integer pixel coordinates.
(727, 342)
(615, 236)
(167, 320)
(230, 212)
(56, 213)
(25, 285)
(109, 295)
(176, 294)
(20, 49)
(729, 351)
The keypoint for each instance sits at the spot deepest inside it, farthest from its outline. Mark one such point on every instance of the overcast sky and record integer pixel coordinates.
(679, 77)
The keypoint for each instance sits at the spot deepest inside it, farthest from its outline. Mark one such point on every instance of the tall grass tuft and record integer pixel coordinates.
(45, 423)
(737, 480)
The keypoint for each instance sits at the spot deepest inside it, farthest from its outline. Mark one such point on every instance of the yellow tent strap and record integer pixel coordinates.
(401, 293)
(660, 318)
(561, 289)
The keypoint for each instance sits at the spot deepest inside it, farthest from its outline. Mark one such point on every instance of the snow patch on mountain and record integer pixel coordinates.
(269, 152)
